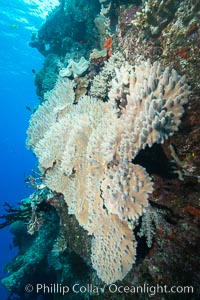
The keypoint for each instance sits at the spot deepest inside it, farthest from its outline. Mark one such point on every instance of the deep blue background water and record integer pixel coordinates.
(18, 19)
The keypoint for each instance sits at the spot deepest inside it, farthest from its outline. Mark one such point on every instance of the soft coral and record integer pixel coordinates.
(108, 45)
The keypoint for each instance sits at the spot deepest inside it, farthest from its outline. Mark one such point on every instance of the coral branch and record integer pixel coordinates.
(13, 214)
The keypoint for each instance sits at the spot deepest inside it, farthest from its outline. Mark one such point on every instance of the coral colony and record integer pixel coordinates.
(86, 152)
(113, 91)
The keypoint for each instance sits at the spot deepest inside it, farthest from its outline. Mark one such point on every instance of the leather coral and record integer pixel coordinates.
(86, 152)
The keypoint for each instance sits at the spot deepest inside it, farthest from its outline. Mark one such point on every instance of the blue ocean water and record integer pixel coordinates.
(18, 20)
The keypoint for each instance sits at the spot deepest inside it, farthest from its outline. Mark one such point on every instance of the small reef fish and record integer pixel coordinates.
(14, 26)
(28, 108)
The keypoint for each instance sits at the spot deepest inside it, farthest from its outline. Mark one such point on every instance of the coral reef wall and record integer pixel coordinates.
(89, 147)
(116, 135)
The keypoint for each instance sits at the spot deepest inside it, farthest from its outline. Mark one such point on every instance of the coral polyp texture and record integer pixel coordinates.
(86, 151)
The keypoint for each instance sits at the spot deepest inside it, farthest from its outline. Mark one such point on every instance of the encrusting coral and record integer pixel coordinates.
(85, 151)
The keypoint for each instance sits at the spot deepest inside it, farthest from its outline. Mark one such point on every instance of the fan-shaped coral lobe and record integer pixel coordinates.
(86, 151)
(130, 185)
(153, 103)
(113, 249)
(46, 115)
